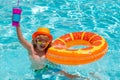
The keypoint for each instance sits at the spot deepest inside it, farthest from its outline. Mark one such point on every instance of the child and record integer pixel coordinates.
(41, 41)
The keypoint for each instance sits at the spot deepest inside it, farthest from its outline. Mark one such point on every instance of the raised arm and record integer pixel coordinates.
(22, 40)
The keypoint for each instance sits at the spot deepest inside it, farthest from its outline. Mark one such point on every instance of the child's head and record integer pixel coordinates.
(41, 39)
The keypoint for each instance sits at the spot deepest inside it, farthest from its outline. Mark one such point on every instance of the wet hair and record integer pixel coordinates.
(49, 45)
(34, 44)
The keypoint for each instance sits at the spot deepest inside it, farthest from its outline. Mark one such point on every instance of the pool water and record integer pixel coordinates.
(61, 16)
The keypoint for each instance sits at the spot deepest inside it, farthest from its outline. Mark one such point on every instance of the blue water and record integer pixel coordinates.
(61, 16)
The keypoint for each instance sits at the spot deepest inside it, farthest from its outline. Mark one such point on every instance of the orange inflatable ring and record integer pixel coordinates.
(61, 54)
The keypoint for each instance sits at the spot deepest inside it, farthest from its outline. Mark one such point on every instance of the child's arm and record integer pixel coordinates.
(68, 75)
(24, 42)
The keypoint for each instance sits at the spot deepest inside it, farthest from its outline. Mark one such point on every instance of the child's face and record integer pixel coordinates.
(42, 42)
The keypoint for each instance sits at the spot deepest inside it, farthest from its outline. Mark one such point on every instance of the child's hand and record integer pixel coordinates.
(72, 76)
(18, 25)
(69, 75)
